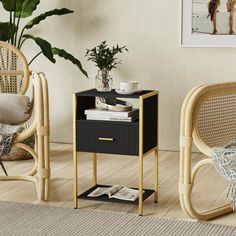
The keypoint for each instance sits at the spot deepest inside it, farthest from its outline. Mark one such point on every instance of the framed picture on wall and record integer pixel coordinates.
(208, 23)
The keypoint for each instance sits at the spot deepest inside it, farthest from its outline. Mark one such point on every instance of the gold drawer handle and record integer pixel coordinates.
(106, 139)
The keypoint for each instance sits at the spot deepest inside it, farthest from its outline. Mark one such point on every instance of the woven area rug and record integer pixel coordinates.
(30, 220)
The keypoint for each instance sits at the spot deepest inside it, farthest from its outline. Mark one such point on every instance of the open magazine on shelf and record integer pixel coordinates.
(116, 191)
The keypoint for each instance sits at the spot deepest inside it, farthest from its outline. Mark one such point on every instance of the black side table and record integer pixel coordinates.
(137, 138)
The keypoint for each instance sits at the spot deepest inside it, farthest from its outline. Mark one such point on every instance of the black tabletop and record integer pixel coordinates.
(113, 93)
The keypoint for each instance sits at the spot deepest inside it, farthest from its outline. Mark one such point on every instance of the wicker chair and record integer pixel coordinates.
(14, 78)
(208, 118)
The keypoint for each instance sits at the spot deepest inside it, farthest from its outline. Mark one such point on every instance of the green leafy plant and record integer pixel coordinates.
(104, 57)
(13, 33)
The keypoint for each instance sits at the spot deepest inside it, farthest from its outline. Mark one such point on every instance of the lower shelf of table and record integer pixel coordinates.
(105, 198)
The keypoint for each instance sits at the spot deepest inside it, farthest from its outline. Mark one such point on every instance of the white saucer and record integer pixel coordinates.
(128, 92)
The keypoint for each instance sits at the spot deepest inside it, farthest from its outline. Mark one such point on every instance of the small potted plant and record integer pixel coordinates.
(104, 58)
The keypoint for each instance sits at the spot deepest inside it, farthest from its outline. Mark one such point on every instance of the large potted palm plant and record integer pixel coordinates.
(16, 33)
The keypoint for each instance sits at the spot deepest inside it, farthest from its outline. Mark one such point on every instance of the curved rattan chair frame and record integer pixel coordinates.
(37, 125)
(189, 133)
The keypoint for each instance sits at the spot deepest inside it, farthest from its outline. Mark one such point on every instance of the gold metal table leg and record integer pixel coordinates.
(75, 158)
(156, 176)
(140, 185)
(94, 169)
(75, 180)
(140, 202)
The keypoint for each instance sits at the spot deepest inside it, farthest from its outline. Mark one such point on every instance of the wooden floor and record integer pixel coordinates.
(210, 188)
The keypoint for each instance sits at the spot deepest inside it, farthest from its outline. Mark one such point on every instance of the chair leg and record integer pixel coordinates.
(40, 189)
(47, 167)
(46, 136)
(41, 178)
(186, 186)
(205, 215)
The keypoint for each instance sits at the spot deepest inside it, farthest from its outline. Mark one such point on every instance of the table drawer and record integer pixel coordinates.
(107, 137)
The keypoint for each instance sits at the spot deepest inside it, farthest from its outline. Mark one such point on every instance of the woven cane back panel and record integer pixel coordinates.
(216, 121)
(13, 74)
(11, 71)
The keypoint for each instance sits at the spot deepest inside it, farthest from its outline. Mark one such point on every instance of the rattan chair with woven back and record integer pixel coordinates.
(14, 78)
(208, 119)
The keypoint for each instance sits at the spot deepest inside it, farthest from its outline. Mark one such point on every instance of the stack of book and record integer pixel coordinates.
(97, 114)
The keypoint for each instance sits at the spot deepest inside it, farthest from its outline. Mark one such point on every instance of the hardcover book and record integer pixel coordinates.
(106, 113)
(125, 119)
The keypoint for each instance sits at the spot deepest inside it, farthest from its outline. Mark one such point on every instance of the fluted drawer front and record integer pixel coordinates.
(107, 137)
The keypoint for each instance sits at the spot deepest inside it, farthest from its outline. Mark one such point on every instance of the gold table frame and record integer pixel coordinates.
(141, 154)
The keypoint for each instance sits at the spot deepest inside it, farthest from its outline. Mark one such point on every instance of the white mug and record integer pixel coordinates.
(129, 86)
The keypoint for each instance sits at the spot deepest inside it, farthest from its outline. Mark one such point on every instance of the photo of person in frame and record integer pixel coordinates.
(213, 17)
(231, 9)
(212, 10)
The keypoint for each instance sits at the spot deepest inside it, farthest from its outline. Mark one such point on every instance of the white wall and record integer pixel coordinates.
(151, 31)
